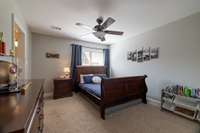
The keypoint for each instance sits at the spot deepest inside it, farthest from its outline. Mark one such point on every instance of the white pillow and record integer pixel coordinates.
(82, 75)
(96, 79)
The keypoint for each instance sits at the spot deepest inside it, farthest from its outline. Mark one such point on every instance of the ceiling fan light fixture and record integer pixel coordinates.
(99, 34)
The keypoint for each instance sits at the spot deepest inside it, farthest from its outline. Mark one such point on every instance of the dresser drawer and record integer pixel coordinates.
(35, 124)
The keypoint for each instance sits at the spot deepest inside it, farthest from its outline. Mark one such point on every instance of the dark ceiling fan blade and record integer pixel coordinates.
(84, 26)
(108, 22)
(114, 32)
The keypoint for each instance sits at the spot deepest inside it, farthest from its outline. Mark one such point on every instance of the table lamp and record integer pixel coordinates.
(67, 72)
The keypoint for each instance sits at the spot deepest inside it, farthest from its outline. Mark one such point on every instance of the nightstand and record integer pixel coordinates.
(62, 87)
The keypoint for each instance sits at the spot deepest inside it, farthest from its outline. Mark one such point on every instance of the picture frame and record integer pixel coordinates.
(144, 54)
(129, 55)
(134, 56)
(147, 54)
(154, 53)
(52, 55)
(140, 56)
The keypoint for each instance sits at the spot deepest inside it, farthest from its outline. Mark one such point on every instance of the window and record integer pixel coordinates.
(92, 57)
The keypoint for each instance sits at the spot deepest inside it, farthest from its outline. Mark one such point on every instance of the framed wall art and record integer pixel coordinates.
(129, 55)
(134, 56)
(142, 55)
(154, 53)
(146, 54)
(52, 55)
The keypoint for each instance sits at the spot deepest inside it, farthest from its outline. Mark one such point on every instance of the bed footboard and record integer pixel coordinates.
(116, 91)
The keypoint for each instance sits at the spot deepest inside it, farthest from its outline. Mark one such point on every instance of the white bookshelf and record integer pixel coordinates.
(186, 104)
(198, 117)
(181, 105)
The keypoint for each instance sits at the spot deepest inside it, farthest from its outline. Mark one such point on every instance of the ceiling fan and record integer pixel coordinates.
(99, 30)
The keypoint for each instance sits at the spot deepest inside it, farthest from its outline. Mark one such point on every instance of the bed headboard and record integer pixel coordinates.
(89, 70)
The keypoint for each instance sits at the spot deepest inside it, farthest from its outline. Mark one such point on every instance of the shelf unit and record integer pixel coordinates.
(3, 55)
(198, 116)
(185, 106)
(9, 58)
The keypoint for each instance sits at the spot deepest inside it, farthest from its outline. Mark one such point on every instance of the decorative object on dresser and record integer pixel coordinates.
(23, 113)
(181, 100)
(111, 91)
(8, 78)
(2, 45)
(62, 87)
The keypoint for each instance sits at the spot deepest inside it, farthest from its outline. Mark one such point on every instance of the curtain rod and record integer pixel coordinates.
(77, 42)
(93, 48)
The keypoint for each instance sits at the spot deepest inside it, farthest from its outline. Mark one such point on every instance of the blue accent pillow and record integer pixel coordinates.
(87, 79)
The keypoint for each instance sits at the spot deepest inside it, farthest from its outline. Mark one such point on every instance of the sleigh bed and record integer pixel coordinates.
(111, 91)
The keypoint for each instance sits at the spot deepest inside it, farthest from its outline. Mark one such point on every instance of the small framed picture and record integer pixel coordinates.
(140, 56)
(146, 54)
(129, 55)
(154, 53)
(134, 56)
(52, 55)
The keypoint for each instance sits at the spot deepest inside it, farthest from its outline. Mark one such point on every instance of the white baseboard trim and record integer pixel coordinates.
(48, 95)
(154, 102)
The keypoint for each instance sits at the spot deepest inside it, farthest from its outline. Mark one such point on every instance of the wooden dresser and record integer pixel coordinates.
(23, 113)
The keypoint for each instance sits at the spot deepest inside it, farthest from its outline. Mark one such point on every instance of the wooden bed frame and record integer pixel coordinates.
(114, 91)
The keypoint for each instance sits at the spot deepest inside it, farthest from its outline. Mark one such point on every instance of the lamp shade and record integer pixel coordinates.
(16, 43)
(66, 69)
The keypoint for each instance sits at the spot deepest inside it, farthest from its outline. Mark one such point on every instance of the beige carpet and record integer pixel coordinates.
(78, 115)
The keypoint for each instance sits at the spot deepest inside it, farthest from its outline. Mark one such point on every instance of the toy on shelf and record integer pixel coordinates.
(183, 91)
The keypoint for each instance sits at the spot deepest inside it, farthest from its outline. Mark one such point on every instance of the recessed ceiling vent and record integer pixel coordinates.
(56, 28)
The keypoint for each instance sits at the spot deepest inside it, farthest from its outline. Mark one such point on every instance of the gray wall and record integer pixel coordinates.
(51, 68)
(178, 63)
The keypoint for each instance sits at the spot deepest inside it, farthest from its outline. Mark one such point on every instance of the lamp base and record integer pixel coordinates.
(66, 76)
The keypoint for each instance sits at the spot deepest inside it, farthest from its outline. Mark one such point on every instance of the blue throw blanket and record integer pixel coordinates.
(92, 88)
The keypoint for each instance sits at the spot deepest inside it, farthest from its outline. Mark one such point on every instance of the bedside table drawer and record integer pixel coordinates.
(63, 89)
(63, 85)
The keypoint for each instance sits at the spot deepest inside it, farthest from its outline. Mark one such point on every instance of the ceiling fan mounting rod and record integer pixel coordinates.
(100, 20)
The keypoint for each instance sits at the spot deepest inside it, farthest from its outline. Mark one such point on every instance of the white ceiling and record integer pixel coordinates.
(132, 16)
